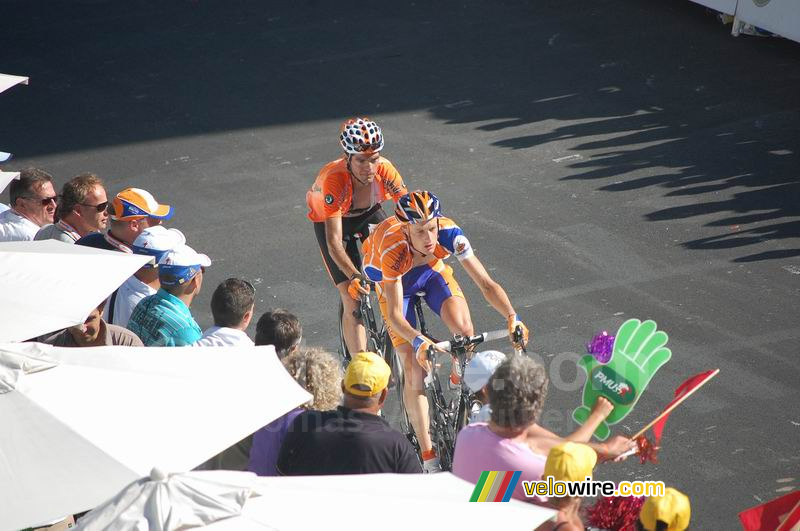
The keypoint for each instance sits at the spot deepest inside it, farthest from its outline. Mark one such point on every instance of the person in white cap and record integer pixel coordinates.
(153, 241)
(164, 319)
(476, 375)
(130, 212)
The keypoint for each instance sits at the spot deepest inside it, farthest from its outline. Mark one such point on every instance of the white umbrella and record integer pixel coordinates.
(7, 81)
(378, 501)
(49, 285)
(99, 418)
(163, 502)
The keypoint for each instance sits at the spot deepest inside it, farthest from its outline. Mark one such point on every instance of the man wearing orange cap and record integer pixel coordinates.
(352, 439)
(131, 211)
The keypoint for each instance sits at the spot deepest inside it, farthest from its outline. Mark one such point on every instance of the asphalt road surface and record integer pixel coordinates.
(608, 160)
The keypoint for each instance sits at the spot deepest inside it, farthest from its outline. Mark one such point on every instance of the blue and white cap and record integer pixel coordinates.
(157, 241)
(481, 368)
(180, 265)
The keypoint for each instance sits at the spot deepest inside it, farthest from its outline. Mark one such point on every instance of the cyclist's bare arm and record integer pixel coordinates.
(333, 238)
(492, 291)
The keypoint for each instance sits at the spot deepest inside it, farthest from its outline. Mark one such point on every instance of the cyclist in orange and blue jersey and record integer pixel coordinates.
(404, 255)
(343, 202)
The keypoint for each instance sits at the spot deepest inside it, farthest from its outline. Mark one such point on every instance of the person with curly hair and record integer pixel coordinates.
(512, 439)
(317, 371)
(353, 438)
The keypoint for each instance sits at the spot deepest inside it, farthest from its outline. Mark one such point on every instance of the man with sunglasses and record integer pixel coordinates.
(33, 204)
(82, 210)
(343, 202)
(130, 212)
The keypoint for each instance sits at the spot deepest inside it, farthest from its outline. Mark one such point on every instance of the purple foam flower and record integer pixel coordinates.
(601, 347)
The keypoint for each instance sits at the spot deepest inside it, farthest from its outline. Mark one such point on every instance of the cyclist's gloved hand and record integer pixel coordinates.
(421, 344)
(513, 323)
(357, 286)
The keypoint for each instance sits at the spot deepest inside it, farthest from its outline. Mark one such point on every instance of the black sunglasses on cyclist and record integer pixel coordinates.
(98, 207)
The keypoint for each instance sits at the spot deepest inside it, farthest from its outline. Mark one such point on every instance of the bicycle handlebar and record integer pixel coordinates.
(463, 342)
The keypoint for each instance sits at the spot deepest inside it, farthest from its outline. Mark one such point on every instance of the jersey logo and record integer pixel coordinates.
(328, 199)
(461, 246)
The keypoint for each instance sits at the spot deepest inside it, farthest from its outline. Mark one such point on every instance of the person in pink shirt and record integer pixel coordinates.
(512, 440)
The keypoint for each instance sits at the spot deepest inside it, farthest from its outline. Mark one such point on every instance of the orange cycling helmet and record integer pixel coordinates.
(417, 207)
(360, 135)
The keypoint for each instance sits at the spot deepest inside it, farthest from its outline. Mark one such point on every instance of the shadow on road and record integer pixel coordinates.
(649, 94)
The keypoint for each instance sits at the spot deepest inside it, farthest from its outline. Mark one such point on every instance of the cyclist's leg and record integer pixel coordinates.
(445, 298)
(352, 328)
(413, 385)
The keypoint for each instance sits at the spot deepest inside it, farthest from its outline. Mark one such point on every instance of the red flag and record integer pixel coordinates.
(780, 514)
(683, 390)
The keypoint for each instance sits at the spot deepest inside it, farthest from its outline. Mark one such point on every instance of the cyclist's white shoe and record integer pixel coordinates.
(432, 465)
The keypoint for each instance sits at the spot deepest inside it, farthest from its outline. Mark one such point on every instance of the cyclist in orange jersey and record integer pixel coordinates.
(343, 202)
(404, 256)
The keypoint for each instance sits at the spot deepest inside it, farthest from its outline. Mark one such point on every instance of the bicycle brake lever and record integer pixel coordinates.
(519, 338)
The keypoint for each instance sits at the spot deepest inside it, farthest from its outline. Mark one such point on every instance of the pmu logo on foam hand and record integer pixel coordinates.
(608, 380)
(495, 486)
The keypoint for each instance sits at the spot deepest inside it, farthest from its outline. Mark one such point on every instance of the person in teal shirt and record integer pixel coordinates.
(164, 319)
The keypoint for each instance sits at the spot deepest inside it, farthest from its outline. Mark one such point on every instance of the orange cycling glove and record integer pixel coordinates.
(513, 323)
(357, 286)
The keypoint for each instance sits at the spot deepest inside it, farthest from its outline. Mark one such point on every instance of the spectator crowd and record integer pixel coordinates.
(341, 430)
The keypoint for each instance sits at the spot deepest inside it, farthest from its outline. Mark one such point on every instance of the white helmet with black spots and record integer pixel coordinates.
(360, 135)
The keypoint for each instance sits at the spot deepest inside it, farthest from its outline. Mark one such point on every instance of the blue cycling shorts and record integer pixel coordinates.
(437, 282)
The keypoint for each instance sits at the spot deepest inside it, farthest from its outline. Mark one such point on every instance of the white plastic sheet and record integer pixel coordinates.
(6, 177)
(7, 81)
(778, 16)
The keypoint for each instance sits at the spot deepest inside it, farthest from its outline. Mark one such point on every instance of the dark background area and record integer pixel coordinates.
(608, 160)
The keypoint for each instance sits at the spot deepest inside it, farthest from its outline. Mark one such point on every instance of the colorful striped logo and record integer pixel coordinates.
(494, 486)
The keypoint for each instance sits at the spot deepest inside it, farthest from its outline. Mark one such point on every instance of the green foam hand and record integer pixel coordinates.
(639, 351)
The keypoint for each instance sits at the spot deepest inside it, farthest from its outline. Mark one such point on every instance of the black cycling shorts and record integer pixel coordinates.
(353, 229)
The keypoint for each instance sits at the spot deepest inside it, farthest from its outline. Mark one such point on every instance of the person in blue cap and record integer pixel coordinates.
(164, 319)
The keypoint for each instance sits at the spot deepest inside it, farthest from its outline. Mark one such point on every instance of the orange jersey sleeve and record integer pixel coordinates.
(330, 195)
(391, 181)
(387, 255)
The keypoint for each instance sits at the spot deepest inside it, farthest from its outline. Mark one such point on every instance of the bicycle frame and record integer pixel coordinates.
(448, 417)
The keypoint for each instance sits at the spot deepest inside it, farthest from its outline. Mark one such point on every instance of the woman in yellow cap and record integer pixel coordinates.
(568, 461)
